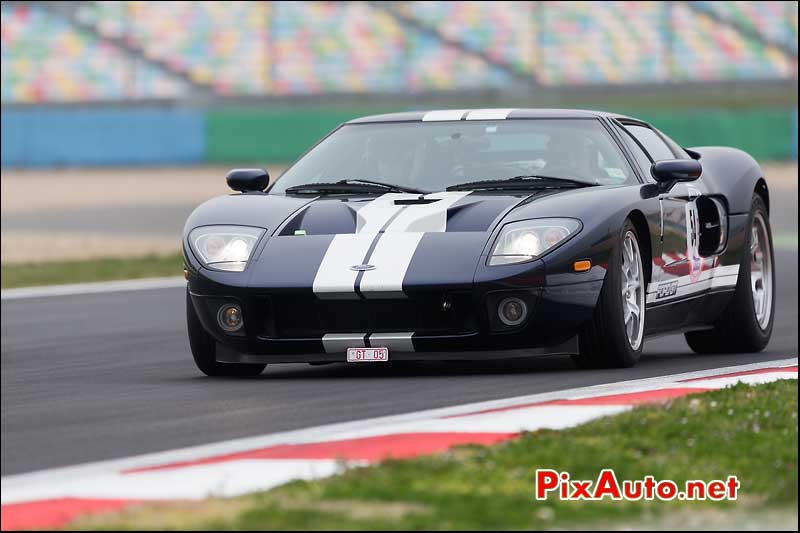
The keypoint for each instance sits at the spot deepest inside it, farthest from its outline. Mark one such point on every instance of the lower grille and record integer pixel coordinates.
(308, 316)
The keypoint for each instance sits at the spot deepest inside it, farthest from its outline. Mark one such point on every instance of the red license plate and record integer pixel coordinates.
(367, 355)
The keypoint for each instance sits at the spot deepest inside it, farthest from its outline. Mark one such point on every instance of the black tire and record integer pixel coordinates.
(737, 328)
(204, 349)
(604, 341)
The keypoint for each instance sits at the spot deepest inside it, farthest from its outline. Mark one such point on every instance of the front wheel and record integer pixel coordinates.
(204, 349)
(615, 335)
(746, 323)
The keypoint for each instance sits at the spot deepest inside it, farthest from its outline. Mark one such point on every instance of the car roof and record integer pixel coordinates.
(440, 115)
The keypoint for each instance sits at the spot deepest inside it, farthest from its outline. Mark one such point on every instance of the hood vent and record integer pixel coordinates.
(416, 201)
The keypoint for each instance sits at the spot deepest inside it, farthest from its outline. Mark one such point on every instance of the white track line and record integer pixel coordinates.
(72, 289)
(23, 487)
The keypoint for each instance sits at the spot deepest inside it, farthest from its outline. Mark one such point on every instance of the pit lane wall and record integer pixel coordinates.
(170, 135)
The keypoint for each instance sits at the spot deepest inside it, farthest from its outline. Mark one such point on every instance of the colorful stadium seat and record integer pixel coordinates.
(112, 51)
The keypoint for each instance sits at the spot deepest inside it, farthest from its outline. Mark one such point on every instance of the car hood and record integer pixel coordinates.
(385, 246)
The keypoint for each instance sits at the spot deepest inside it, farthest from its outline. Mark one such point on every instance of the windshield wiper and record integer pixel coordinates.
(392, 186)
(351, 185)
(526, 181)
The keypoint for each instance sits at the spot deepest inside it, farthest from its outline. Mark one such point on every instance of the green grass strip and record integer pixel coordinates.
(104, 269)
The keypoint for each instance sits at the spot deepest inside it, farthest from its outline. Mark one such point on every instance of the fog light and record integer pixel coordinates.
(512, 311)
(229, 317)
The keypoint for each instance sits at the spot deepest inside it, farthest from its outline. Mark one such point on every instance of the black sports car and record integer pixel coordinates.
(488, 233)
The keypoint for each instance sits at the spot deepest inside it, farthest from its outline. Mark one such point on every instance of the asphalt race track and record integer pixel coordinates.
(101, 376)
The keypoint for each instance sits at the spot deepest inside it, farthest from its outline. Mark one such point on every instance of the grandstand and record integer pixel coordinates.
(131, 51)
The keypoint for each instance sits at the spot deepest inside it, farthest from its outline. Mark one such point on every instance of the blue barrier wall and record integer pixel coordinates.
(87, 136)
(39, 137)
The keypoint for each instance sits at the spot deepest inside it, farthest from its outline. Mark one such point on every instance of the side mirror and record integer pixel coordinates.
(247, 179)
(671, 171)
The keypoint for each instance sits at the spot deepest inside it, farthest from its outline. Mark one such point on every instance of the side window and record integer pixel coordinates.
(653, 144)
(675, 147)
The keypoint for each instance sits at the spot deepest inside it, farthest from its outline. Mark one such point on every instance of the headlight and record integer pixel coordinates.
(224, 247)
(528, 239)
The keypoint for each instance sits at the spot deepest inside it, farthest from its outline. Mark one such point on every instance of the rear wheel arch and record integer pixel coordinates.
(738, 329)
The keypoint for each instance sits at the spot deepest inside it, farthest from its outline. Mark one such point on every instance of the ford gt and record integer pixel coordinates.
(486, 233)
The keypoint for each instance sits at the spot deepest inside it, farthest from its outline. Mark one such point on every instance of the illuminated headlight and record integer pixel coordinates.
(530, 239)
(224, 247)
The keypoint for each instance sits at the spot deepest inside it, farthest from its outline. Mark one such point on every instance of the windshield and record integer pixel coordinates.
(432, 156)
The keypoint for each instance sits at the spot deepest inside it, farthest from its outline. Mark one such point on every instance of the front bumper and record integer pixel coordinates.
(445, 323)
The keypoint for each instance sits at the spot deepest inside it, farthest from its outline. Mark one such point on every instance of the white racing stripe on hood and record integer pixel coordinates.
(373, 217)
(394, 239)
(335, 278)
(391, 258)
(395, 249)
(430, 217)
